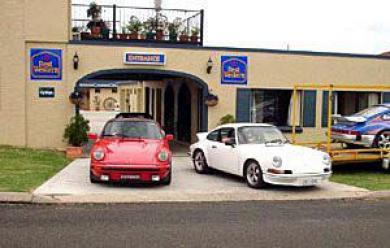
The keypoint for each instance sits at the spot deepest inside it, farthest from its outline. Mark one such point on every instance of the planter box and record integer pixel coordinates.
(74, 152)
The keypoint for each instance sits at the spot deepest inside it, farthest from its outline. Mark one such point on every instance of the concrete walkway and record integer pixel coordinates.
(72, 185)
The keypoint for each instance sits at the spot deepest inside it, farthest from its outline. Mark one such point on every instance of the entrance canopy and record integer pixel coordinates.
(113, 77)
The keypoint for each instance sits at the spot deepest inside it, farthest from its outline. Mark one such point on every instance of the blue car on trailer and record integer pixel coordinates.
(369, 128)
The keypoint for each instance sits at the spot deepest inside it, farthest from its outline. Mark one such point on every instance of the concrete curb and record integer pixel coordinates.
(15, 197)
(27, 198)
(384, 194)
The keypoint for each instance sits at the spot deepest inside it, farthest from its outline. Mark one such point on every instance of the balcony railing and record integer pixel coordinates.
(134, 24)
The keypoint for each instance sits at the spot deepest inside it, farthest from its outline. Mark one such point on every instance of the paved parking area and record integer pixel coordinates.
(72, 185)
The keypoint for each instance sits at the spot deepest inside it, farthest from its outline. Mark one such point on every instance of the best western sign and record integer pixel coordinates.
(45, 64)
(144, 59)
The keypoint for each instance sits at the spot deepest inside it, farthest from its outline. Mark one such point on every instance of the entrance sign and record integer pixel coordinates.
(46, 92)
(45, 64)
(144, 59)
(234, 70)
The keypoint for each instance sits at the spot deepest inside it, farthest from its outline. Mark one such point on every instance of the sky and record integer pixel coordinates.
(348, 26)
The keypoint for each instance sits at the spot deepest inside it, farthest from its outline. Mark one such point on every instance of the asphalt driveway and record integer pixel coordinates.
(72, 185)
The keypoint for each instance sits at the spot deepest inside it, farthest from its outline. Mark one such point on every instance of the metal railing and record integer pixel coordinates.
(154, 25)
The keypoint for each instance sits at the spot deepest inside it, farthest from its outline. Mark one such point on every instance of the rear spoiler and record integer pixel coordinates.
(134, 115)
(356, 119)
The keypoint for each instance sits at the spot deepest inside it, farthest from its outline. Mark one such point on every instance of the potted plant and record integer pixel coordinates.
(96, 24)
(124, 34)
(76, 33)
(148, 25)
(135, 27)
(85, 35)
(76, 135)
(173, 29)
(195, 34)
(184, 36)
(160, 26)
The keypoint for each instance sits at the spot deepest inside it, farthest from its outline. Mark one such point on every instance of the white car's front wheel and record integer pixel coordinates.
(254, 175)
(200, 163)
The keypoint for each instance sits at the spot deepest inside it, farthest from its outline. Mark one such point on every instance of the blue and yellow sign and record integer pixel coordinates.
(144, 59)
(234, 70)
(45, 64)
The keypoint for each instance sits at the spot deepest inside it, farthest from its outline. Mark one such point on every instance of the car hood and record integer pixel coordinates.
(133, 152)
(299, 159)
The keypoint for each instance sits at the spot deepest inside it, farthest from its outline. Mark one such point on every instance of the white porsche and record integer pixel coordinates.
(261, 154)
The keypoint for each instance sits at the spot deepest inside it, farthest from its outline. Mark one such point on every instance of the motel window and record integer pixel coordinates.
(114, 90)
(347, 103)
(97, 91)
(271, 106)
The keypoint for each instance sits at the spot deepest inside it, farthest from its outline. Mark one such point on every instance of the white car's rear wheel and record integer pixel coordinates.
(254, 175)
(200, 163)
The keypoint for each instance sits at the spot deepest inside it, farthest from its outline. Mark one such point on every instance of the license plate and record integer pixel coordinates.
(130, 177)
(310, 181)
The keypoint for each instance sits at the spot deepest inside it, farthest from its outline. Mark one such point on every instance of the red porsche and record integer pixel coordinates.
(131, 150)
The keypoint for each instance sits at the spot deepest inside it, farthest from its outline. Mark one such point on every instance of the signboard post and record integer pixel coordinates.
(234, 70)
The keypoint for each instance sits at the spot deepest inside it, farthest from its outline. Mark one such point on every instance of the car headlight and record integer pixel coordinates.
(163, 156)
(277, 162)
(98, 154)
(326, 160)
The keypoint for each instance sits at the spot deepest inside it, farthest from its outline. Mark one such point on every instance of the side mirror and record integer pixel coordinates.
(92, 136)
(229, 142)
(169, 137)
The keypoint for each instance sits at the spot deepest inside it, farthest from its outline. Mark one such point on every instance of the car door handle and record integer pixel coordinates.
(214, 147)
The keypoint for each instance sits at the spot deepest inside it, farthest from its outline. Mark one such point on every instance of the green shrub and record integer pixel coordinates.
(76, 132)
(227, 119)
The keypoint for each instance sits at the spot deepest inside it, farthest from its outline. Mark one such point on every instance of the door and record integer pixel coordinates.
(221, 156)
(169, 111)
(226, 156)
(184, 114)
(212, 144)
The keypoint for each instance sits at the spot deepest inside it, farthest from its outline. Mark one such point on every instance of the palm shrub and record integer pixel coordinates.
(76, 132)
(227, 119)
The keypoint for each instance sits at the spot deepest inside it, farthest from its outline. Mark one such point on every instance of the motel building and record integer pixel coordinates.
(52, 50)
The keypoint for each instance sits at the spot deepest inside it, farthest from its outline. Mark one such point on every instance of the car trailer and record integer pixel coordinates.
(338, 154)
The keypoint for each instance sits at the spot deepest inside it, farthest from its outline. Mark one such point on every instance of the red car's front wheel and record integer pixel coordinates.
(167, 180)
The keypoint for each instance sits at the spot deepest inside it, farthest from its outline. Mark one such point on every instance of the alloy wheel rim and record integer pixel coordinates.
(384, 141)
(253, 173)
(199, 161)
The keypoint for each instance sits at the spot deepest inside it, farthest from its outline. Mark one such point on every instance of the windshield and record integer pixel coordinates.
(260, 135)
(132, 129)
(370, 112)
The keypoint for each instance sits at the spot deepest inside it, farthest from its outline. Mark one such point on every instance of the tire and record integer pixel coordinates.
(254, 175)
(92, 178)
(168, 179)
(382, 140)
(200, 163)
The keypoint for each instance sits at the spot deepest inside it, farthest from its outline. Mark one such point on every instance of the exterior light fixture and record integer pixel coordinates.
(211, 100)
(209, 65)
(76, 60)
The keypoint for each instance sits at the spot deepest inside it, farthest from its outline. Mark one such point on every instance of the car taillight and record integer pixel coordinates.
(351, 132)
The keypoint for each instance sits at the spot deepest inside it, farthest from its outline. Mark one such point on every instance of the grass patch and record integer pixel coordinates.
(370, 176)
(22, 169)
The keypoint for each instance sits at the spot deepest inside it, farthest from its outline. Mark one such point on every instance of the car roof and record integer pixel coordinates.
(245, 124)
(132, 119)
